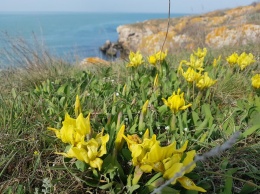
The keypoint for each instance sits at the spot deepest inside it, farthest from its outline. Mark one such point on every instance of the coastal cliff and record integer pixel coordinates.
(215, 29)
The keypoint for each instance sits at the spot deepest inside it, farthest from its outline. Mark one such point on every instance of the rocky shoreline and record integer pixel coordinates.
(215, 29)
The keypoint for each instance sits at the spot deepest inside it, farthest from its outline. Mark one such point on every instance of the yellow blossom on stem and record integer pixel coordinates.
(232, 59)
(152, 60)
(89, 151)
(136, 59)
(190, 75)
(256, 81)
(176, 102)
(189, 184)
(145, 106)
(205, 81)
(216, 61)
(148, 155)
(173, 166)
(157, 57)
(119, 138)
(201, 53)
(245, 60)
(73, 131)
(156, 81)
(77, 106)
(195, 62)
(36, 153)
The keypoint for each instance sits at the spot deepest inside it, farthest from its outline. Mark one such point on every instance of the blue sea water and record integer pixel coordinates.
(64, 34)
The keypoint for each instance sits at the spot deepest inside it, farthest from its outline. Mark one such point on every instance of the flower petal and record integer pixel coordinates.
(189, 184)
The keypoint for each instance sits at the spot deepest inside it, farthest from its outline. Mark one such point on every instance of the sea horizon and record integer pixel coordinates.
(78, 34)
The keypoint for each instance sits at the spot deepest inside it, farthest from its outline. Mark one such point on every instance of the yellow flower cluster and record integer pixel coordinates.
(75, 132)
(256, 81)
(149, 156)
(205, 81)
(242, 60)
(157, 57)
(135, 59)
(176, 102)
(216, 61)
(195, 67)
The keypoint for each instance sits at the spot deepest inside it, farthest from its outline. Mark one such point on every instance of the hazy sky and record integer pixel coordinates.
(177, 6)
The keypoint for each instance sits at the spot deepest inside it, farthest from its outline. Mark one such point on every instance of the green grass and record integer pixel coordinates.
(37, 95)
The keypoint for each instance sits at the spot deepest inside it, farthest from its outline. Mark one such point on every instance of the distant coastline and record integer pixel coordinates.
(77, 34)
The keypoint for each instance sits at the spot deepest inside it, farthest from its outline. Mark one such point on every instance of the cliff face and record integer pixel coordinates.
(214, 29)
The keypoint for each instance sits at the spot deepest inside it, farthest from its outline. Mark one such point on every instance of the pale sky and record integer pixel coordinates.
(141, 6)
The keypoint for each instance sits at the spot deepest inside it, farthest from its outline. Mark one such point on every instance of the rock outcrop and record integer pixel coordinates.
(110, 49)
(215, 29)
(93, 61)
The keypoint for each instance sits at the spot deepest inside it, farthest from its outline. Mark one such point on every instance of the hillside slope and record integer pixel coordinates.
(215, 29)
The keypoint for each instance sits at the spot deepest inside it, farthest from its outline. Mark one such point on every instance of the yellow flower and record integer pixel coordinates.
(90, 151)
(189, 184)
(201, 53)
(119, 138)
(145, 106)
(156, 81)
(216, 61)
(73, 131)
(77, 106)
(157, 57)
(157, 154)
(152, 60)
(173, 165)
(205, 81)
(190, 75)
(195, 63)
(36, 153)
(245, 59)
(160, 56)
(136, 59)
(148, 155)
(124, 92)
(256, 81)
(232, 59)
(176, 102)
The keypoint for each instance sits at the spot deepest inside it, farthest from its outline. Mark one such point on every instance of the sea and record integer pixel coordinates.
(65, 34)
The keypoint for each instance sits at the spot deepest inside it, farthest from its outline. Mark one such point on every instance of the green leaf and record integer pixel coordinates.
(131, 189)
(195, 118)
(127, 154)
(229, 126)
(229, 181)
(132, 129)
(129, 113)
(20, 189)
(162, 109)
(106, 186)
(202, 126)
(156, 176)
(191, 192)
(169, 190)
(13, 93)
(62, 101)
(247, 188)
(224, 164)
(82, 166)
(62, 89)
(250, 131)
(206, 110)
